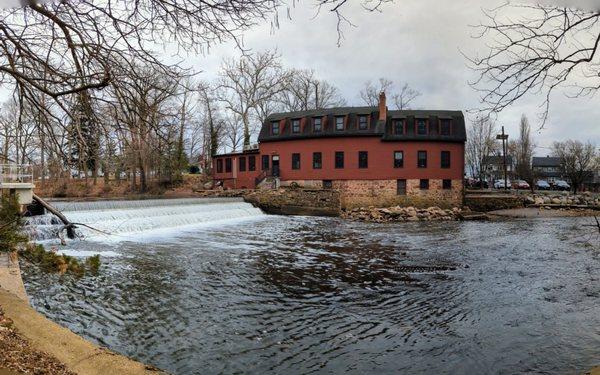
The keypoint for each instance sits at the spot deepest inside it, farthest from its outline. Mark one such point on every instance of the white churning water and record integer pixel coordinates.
(128, 219)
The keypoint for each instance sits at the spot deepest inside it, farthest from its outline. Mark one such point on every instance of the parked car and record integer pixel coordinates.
(561, 185)
(542, 185)
(499, 184)
(479, 184)
(520, 184)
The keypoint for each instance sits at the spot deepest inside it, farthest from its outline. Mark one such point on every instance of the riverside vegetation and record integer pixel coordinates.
(12, 239)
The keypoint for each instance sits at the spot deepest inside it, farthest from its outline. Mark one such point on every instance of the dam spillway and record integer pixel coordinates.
(126, 219)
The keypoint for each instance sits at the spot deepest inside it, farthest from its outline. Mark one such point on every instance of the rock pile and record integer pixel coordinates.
(584, 199)
(401, 214)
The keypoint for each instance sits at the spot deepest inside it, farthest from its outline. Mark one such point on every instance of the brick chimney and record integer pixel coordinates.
(382, 107)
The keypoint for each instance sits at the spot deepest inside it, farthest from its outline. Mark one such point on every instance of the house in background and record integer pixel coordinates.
(494, 165)
(371, 155)
(547, 168)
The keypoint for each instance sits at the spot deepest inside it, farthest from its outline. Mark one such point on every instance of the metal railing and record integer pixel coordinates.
(16, 173)
(264, 174)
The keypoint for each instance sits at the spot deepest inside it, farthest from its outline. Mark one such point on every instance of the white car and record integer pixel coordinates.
(542, 185)
(499, 184)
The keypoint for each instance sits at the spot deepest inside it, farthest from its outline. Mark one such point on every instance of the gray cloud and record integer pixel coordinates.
(414, 41)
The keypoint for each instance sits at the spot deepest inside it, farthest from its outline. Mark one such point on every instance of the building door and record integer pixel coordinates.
(275, 164)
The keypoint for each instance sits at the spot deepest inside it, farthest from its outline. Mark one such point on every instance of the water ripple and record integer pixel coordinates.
(320, 295)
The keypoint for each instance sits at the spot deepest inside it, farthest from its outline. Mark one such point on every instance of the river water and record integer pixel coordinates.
(199, 288)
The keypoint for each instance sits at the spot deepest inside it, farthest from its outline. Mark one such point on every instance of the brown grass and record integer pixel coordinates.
(80, 188)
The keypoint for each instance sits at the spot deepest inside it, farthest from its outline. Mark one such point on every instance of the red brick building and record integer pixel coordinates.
(371, 155)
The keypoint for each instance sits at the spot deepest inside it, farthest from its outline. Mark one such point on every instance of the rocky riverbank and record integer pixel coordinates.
(403, 214)
(584, 199)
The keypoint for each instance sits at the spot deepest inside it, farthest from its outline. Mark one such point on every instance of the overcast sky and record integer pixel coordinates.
(414, 41)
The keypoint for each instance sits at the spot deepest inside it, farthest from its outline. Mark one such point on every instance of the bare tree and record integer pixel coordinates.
(248, 83)
(213, 124)
(481, 143)
(405, 96)
(370, 91)
(522, 150)
(233, 131)
(304, 91)
(401, 99)
(577, 160)
(543, 48)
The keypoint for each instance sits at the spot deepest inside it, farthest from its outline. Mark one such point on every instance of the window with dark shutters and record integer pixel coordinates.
(242, 163)
(398, 127)
(398, 159)
(445, 127)
(275, 128)
(421, 127)
(295, 126)
(295, 161)
(445, 158)
(422, 159)
(339, 159)
(317, 124)
(265, 162)
(363, 122)
(317, 160)
(363, 159)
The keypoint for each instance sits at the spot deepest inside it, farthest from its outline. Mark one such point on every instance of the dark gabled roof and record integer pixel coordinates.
(377, 128)
(497, 159)
(548, 161)
(337, 111)
(237, 153)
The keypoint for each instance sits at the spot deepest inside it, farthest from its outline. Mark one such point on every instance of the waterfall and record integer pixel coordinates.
(128, 219)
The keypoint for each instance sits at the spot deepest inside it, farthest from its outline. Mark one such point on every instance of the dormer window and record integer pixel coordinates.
(398, 127)
(339, 123)
(421, 127)
(445, 127)
(296, 126)
(317, 124)
(363, 122)
(275, 128)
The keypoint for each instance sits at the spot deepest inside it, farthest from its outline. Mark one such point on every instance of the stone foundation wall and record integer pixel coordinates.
(299, 201)
(382, 193)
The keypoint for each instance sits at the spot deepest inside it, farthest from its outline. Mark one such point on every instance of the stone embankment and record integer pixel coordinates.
(221, 193)
(296, 201)
(584, 200)
(405, 214)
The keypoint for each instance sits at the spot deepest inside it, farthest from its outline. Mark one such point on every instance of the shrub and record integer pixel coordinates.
(50, 261)
(11, 224)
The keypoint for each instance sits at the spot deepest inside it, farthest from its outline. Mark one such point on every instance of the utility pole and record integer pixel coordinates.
(503, 137)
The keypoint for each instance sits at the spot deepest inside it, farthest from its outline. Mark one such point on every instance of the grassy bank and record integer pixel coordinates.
(82, 188)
